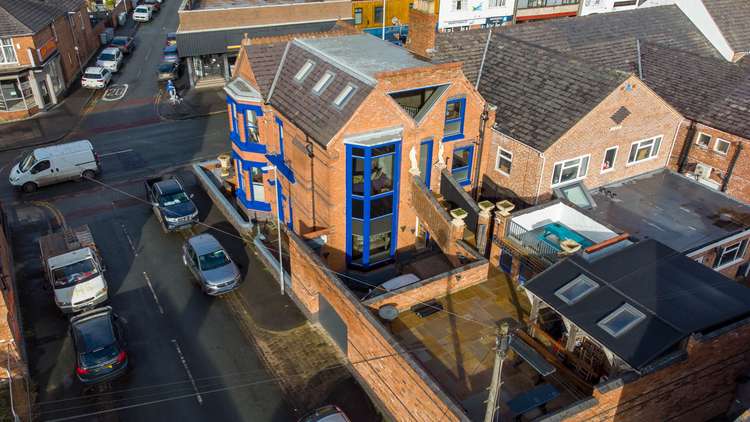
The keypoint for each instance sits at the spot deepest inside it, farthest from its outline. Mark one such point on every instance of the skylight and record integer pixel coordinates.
(344, 96)
(323, 82)
(576, 289)
(304, 71)
(621, 320)
(418, 102)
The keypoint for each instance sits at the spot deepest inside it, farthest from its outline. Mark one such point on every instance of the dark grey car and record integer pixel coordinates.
(210, 264)
(99, 345)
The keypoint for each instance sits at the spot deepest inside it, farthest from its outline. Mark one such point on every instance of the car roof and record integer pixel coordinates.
(111, 50)
(169, 186)
(93, 331)
(204, 243)
(171, 35)
(94, 69)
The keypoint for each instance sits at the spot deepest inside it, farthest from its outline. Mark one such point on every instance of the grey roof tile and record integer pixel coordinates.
(733, 19)
(464, 46)
(265, 59)
(26, 17)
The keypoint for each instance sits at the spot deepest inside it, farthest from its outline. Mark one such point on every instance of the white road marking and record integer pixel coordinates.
(115, 92)
(107, 154)
(187, 371)
(153, 292)
(127, 236)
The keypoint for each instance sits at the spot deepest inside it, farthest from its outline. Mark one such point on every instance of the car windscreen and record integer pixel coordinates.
(166, 67)
(89, 75)
(27, 162)
(119, 41)
(213, 260)
(173, 199)
(75, 273)
(141, 9)
(106, 56)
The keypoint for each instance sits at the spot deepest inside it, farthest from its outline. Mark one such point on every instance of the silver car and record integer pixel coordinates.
(210, 264)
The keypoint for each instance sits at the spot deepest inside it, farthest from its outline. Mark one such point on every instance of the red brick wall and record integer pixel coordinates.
(422, 32)
(650, 116)
(697, 389)
(389, 372)
(739, 182)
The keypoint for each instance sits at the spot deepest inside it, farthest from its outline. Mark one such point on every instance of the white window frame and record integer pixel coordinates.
(698, 139)
(3, 46)
(724, 141)
(612, 165)
(652, 155)
(626, 307)
(580, 279)
(739, 249)
(700, 259)
(509, 158)
(580, 176)
(304, 71)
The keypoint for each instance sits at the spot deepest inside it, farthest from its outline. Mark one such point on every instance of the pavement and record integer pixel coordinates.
(195, 103)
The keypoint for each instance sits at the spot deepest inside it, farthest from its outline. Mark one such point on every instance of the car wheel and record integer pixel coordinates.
(29, 187)
(88, 174)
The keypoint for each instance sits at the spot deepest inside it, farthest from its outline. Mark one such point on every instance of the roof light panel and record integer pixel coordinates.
(304, 71)
(576, 290)
(323, 82)
(344, 96)
(621, 320)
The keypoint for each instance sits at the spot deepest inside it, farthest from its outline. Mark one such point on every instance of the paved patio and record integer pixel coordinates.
(457, 347)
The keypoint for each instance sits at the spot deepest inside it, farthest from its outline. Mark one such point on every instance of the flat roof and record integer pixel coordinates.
(230, 4)
(363, 54)
(673, 209)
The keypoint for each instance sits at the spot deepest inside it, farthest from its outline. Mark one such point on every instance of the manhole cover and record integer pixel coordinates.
(115, 92)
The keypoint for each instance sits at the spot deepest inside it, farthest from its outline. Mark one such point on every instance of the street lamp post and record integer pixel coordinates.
(384, 14)
(278, 223)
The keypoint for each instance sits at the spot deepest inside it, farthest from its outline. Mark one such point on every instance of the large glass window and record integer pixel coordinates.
(378, 17)
(461, 164)
(425, 161)
(252, 126)
(454, 119)
(731, 254)
(358, 16)
(566, 171)
(7, 52)
(13, 92)
(371, 206)
(644, 150)
(504, 161)
(259, 193)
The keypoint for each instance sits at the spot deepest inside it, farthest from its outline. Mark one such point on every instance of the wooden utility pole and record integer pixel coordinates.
(502, 342)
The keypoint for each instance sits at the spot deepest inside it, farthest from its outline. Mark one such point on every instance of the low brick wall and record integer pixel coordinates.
(434, 287)
(431, 214)
(396, 381)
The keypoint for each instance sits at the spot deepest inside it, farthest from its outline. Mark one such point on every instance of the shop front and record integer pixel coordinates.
(26, 91)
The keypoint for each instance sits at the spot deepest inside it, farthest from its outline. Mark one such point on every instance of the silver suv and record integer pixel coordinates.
(210, 264)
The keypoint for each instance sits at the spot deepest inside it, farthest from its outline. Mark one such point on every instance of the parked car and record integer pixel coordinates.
(210, 264)
(172, 38)
(169, 71)
(96, 78)
(54, 164)
(110, 59)
(142, 13)
(170, 54)
(99, 345)
(125, 44)
(173, 207)
(328, 413)
(393, 284)
(155, 5)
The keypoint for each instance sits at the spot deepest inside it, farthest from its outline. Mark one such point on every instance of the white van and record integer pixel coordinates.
(55, 164)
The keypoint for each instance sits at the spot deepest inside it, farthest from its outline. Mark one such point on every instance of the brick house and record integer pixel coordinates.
(561, 120)
(43, 47)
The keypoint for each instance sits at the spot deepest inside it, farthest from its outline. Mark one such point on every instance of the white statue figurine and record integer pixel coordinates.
(414, 165)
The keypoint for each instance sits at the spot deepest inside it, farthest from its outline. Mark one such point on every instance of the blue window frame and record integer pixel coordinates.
(506, 260)
(252, 133)
(454, 119)
(281, 137)
(256, 198)
(425, 161)
(463, 158)
(372, 185)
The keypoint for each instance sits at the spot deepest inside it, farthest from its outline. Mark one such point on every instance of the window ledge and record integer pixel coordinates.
(634, 163)
(455, 137)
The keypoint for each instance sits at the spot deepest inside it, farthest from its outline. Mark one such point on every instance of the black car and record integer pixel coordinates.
(171, 204)
(169, 71)
(125, 44)
(99, 346)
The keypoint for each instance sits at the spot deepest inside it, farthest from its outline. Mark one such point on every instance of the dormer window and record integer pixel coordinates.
(621, 320)
(304, 71)
(344, 95)
(323, 83)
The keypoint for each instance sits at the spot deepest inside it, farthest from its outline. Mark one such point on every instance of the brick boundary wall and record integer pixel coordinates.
(698, 383)
(434, 287)
(388, 371)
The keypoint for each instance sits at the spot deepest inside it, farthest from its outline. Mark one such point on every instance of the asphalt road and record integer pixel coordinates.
(191, 359)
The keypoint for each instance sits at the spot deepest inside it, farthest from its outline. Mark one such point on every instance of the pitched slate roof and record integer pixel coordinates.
(265, 59)
(712, 91)
(26, 17)
(732, 18)
(539, 93)
(676, 295)
(464, 46)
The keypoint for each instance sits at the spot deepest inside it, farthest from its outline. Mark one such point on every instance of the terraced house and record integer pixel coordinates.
(43, 47)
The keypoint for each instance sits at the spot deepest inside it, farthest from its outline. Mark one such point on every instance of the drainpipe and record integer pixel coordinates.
(310, 148)
(685, 153)
(735, 157)
(478, 166)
